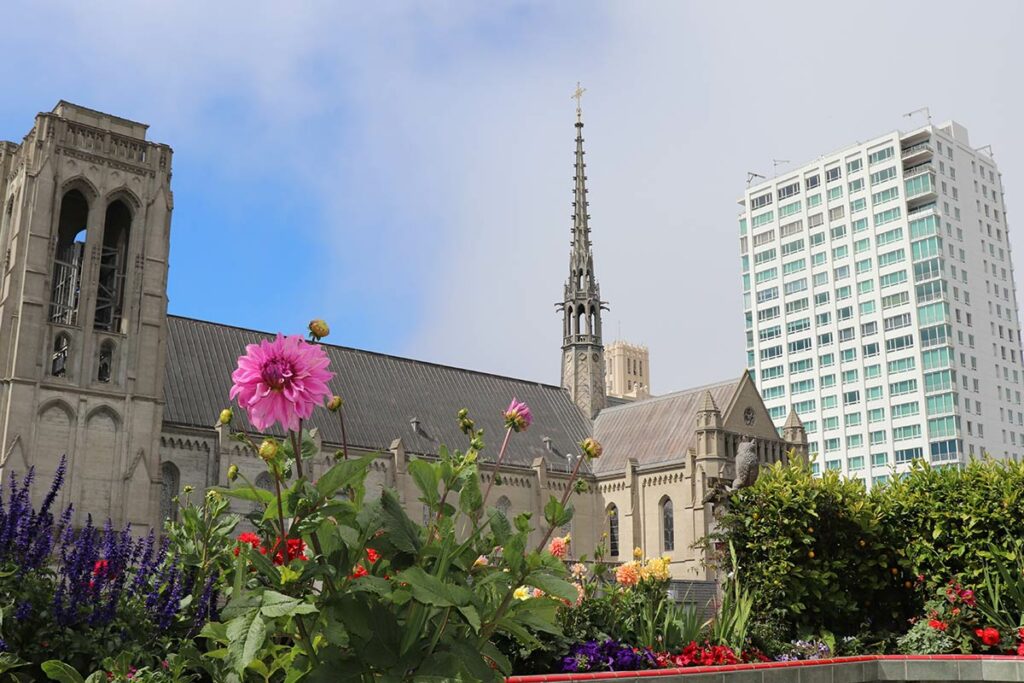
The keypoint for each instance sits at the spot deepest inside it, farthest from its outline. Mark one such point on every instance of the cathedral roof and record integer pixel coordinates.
(655, 430)
(383, 396)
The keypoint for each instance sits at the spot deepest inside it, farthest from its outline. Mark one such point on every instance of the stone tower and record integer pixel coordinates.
(583, 367)
(84, 239)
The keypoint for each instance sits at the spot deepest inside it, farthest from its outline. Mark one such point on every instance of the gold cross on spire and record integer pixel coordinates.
(578, 95)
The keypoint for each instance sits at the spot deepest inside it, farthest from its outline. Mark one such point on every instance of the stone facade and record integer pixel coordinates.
(92, 367)
(83, 301)
(628, 371)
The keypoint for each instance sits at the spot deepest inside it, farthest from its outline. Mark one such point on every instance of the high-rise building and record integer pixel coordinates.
(880, 303)
(627, 371)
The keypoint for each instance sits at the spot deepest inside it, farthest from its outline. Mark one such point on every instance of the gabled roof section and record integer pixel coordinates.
(655, 430)
(383, 395)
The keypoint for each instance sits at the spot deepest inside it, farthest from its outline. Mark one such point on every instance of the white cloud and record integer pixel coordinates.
(436, 141)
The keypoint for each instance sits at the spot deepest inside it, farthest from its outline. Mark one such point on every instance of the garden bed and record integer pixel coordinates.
(866, 669)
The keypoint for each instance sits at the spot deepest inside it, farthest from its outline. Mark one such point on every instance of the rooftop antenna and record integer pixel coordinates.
(751, 175)
(926, 110)
(776, 163)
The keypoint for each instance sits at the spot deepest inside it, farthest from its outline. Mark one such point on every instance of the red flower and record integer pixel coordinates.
(372, 555)
(360, 572)
(988, 635)
(938, 625)
(251, 539)
(1020, 650)
(295, 549)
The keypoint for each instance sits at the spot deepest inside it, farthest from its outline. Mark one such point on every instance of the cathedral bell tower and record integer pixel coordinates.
(84, 238)
(583, 366)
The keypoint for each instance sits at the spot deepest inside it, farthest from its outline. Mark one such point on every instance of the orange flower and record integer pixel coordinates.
(627, 574)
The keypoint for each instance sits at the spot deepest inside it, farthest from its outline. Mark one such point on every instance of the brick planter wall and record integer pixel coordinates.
(868, 669)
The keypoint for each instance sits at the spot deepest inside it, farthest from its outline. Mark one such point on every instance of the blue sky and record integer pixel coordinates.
(404, 171)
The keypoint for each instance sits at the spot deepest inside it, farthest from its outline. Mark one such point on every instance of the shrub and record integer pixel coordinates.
(814, 550)
(950, 522)
(823, 555)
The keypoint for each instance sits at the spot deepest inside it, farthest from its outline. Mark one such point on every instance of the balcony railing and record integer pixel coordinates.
(914, 149)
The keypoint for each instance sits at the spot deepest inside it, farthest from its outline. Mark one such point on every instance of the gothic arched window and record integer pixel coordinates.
(613, 530)
(68, 258)
(170, 485)
(105, 362)
(503, 505)
(59, 358)
(668, 527)
(266, 482)
(113, 266)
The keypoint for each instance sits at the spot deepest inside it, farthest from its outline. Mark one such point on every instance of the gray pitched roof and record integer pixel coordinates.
(382, 394)
(654, 430)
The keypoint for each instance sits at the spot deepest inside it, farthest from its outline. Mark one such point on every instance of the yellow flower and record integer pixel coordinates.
(637, 553)
(521, 593)
(232, 472)
(657, 568)
(319, 329)
(268, 449)
(591, 448)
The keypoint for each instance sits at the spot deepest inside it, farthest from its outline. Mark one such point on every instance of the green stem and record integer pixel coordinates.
(306, 642)
(440, 631)
(565, 497)
(497, 467)
(297, 447)
(344, 438)
(280, 514)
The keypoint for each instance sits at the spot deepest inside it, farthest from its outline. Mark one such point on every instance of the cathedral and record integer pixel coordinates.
(92, 367)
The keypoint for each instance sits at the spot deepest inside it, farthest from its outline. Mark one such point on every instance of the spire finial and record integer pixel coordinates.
(578, 95)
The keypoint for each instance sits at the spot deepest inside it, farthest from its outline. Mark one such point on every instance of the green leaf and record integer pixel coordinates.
(59, 671)
(278, 605)
(343, 475)
(472, 616)
(553, 585)
(492, 652)
(499, 526)
(250, 493)
(402, 532)
(432, 590)
(246, 635)
(427, 478)
(557, 514)
(470, 498)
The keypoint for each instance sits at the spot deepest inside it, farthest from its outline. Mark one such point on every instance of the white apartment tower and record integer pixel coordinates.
(880, 303)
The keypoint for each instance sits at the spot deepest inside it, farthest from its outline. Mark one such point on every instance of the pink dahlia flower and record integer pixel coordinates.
(518, 416)
(559, 547)
(281, 381)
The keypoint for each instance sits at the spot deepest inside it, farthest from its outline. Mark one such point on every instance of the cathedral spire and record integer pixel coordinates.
(583, 367)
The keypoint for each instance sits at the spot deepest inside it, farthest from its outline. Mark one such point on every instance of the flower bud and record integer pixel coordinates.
(268, 449)
(225, 417)
(232, 472)
(334, 404)
(187, 489)
(591, 448)
(319, 329)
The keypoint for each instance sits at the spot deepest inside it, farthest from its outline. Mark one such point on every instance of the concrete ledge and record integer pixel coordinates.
(867, 669)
